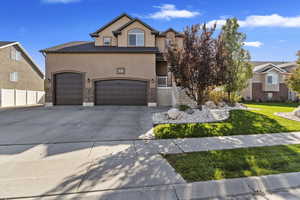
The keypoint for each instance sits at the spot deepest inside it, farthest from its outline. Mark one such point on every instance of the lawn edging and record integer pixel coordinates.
(238, 186)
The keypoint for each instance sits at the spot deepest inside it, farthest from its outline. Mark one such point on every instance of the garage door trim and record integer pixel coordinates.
(53, 82)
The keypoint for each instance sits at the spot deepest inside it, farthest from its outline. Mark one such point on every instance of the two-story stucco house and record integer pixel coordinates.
(268, 82)
(21, 81)
(123, 65)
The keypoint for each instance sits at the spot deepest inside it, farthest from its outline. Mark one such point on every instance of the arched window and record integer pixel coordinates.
(136, 37)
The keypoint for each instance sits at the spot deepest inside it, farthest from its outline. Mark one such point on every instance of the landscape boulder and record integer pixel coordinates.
(174, 113)
(296, 112)
(211, 105)
(222, 104)
(189, 111)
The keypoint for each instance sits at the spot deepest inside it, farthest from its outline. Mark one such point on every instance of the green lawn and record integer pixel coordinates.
(222, 164)
(241, 122)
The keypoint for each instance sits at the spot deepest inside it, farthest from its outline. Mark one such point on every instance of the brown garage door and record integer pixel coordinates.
(68, 89)
(120, 92)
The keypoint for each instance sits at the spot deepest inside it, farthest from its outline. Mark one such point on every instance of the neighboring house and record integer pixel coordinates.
(124, 65)
(21, 81)
(268, 82)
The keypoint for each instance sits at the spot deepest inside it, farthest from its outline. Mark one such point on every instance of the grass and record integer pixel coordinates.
(223, 164)
(241, 122)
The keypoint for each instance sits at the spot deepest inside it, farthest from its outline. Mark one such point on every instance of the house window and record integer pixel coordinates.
(136, 37)
(168, 43)
(15, 54)
(107, 41)
(272, 79)
(13, 76)
(18, 55)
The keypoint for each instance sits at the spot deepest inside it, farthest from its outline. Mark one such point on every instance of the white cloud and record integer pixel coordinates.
(60, 1)
(273, 20)
(169, 11)
(253, 44)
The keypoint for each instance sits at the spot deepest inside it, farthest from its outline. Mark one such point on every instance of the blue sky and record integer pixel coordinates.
(272, 26)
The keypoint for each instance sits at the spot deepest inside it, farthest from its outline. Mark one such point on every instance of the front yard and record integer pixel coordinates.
(241, 122)
(234, 163)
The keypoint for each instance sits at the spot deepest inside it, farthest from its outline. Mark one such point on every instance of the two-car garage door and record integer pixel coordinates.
(120, 92)
(69, 91)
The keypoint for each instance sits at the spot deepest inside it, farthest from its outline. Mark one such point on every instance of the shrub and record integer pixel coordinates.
(183, 107)
(217, 96)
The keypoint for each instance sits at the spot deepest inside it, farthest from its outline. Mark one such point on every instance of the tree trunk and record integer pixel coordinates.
(200, 99)
(229, 97)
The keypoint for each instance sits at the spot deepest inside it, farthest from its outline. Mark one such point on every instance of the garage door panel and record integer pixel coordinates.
(68, 89)
(121, 92)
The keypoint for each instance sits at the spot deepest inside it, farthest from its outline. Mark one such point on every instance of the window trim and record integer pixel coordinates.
(14, 76)
(107, 37)
(142, 33)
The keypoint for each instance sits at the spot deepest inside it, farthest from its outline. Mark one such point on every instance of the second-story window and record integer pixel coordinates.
(168, 43)
(136, 37)
(107, 41)
(15, 54)
(272, 79)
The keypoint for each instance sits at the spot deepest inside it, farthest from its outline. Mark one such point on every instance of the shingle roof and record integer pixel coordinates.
(4, 43)
(290, 64)
(89, 47)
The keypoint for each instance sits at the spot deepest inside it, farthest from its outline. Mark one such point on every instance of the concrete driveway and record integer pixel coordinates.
(73, 124)
(70, 150)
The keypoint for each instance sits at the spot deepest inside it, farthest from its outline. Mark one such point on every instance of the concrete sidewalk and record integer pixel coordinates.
(275, 187)
(173, 146)
(132, 169)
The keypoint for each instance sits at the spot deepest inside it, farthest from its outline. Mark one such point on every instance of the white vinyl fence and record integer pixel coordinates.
(12, 97)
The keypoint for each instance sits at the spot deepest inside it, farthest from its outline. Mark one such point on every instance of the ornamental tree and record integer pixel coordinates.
(199, 65)
(237, 59)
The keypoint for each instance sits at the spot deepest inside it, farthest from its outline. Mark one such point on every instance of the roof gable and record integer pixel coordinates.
(118, 31)
(177, 34)
(268, 67)
(95, 34)
(34, 65)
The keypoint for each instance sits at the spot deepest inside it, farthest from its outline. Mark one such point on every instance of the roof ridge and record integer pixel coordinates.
(94, 34)
(132, 21)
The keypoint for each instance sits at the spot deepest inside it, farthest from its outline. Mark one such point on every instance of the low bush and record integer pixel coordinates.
(183, 107)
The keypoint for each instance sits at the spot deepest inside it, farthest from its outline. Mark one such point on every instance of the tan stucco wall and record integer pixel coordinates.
(103, 66)
(161, 44)
(108, 31)
(28, 79)
(123, 37)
